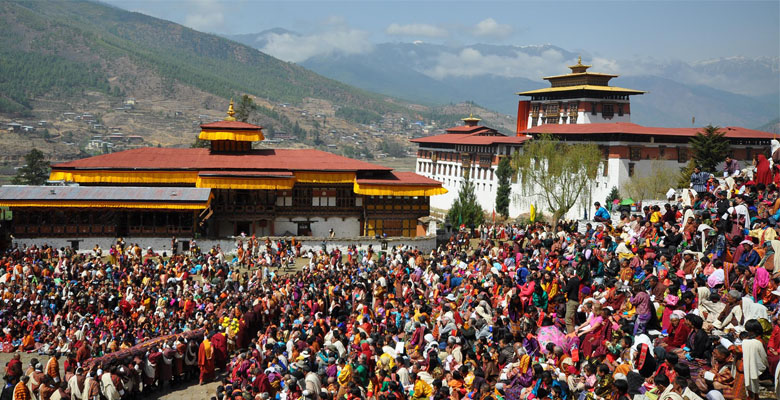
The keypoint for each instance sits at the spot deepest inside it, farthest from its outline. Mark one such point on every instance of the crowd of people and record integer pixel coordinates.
(666, 302)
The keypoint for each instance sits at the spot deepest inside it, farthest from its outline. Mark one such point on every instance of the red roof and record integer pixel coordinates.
(231, 125)
(400, 178)
(468, 129)
(169, 159)
(475, 138)
(248, 174)
(628, 128)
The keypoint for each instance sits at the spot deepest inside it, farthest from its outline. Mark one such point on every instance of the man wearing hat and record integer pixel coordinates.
(749, 257)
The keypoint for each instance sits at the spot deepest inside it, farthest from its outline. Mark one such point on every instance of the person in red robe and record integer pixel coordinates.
(206, 360)
(763, 173)
(219, 342)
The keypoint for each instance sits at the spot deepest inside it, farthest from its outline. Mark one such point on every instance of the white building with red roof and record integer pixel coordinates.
(470, 150)
(578, 107)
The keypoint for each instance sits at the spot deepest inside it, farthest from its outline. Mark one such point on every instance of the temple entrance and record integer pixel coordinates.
(244, 227)
(304, 229)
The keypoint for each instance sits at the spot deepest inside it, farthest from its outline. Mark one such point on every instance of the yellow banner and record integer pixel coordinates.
(244, 183)
(229, 135)
(398, 190)
(104, 204)
(124, 176)
(325, 177)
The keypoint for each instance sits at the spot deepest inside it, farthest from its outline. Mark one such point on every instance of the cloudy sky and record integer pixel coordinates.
(616, 36)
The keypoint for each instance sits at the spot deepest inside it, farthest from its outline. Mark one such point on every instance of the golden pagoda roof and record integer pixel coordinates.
(471, 118)
(580, 74)
(582, 87)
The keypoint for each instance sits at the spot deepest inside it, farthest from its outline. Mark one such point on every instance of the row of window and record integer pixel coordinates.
(391, 227)
(454, 170)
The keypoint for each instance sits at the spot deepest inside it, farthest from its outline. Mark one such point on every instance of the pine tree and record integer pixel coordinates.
(245, 108)
(503, 172)
(710, 148)
(613, 195)
(35, 171)
(466, 209)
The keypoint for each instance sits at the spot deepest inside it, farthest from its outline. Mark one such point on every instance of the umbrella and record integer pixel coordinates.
(547, 334)
(627, 201)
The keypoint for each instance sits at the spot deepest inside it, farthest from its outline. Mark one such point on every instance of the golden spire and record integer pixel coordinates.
(579, 67)
(231, 112)
(471, 120)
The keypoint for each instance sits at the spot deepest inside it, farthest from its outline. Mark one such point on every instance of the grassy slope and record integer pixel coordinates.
(89, 33)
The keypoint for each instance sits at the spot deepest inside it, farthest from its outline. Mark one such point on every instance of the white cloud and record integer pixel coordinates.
(471, 62)
(425, 30)
(336, 39)
(204, 15)
(490, 28)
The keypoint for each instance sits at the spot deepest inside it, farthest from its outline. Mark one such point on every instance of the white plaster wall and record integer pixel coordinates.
(485, 187)
(583, 117)
(588, 118)
(424, 243)
(320, 226)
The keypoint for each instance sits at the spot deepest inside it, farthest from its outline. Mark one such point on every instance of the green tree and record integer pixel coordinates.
(503, 172)
(559, 171)
(710, 148)
(611, 197)
(246, 106)
(35, 171)
(200, 143)
(684, 178)
(651, 183)
(466, 209)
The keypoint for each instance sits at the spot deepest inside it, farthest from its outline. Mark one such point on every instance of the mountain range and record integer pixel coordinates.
(727, 91)
(127, 72)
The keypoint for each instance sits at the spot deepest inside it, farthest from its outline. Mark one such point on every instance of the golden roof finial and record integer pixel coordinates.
(579, 67)
(231, 112)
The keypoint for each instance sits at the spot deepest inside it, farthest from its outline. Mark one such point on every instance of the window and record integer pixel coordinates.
(605, 154)
(607, 111)
(551, 108)
(533, 121)
(635, 153)
(662, 152)
(284, 199)
(620, 110)
(682, 155)
(323, 197)
(593, 108)
(573, 108)
(573, 119)
(550, 120)
(631, 169)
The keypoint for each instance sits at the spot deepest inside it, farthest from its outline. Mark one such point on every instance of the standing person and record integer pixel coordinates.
(641, 300)
(206, 359)
(21, 391)
(572, 291)
(699, 180)
(763, 172)
(53, 367)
